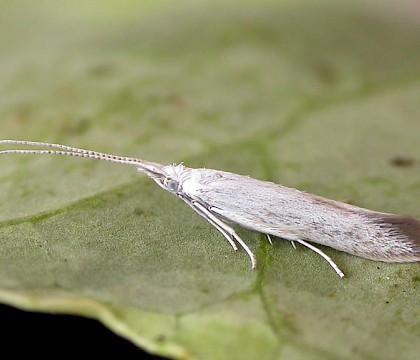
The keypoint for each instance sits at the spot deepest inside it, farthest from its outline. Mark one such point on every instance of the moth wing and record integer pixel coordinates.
(284, 231)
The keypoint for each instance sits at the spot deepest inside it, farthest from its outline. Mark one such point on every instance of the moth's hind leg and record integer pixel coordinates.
(321, 253)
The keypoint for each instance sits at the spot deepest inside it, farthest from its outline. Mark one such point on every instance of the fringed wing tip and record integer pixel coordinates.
(408, 230)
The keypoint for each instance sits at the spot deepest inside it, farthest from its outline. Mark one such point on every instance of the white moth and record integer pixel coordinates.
(223, 197)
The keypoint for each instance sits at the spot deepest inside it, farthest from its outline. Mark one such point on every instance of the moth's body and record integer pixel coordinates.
(223, 197)
(295, 215)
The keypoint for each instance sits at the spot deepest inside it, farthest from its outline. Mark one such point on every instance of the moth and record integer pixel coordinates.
(223, 198)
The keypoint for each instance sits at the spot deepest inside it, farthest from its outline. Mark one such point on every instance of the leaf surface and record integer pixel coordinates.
(321, 96)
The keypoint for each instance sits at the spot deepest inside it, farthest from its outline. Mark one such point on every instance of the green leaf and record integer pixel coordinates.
(321, 96)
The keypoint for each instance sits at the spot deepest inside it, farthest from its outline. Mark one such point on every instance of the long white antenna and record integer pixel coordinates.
(147, 167)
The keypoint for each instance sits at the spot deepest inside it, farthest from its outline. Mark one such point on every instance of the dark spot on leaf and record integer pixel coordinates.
(22, 118)
(402, 161)
(101, 70)
(387, 302)
(138, 211)
(119, 194)
(205, 290)
(326, 73)
(143, 213)
(78, 127)
(56, 284)
(161, 338)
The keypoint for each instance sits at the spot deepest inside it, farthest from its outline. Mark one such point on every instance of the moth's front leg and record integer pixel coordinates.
(228, 232)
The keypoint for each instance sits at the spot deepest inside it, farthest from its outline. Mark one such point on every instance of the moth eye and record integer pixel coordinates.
(172, 185)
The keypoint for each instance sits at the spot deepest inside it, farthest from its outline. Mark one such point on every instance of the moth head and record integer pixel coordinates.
(171, 178)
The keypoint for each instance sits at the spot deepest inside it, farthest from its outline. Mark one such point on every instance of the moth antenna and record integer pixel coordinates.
(149, 168)
(62, 147)
(45, 144)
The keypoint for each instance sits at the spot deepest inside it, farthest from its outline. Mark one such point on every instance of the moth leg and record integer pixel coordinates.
(325, 256)
(228, 237)
(223, 232)
(220, 229)
(271, 241)
(224, 229)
